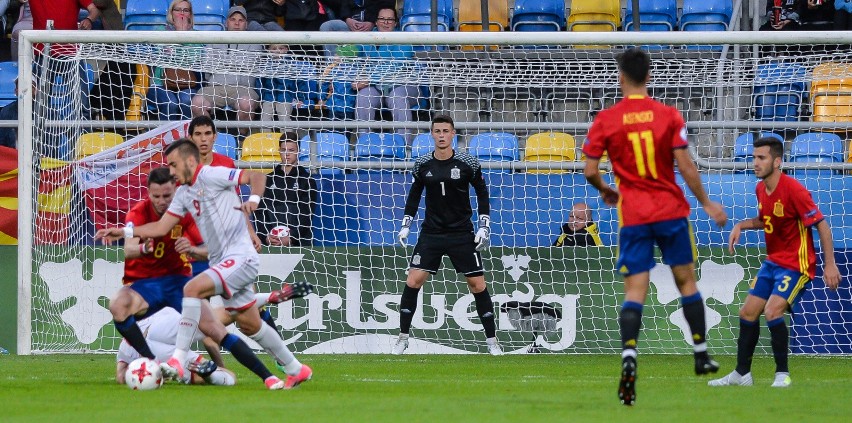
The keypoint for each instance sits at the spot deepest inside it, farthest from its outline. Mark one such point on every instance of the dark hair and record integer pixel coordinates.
(202, 120)
(635, 64)
(185, 147)
(395, 15)
(776, 147)
(289, 136)
(443, 119)
(159, 176)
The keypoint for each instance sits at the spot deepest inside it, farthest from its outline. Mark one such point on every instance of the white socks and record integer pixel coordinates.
(270, 341)
(187, 327)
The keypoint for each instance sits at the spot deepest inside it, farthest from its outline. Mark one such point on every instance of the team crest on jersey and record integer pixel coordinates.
(455, 173)
(177, 231)
(778, 209)
(415, 259)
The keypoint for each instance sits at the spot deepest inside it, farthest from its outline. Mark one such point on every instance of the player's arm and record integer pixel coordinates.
(185, 246)
(257, 183)
(830, 272)
(214, 350)
(693, 181)
(411, 204)
(593, 175)
(483, 233)
(734, 237)
(135, 248)
(148, 230)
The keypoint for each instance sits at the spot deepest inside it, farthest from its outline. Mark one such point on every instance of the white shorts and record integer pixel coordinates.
(234, 279)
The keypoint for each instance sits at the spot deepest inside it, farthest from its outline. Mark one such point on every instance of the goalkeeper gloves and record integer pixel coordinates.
(406, 229)
(481, 238)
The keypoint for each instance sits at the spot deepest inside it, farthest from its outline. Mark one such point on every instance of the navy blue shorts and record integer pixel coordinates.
(636, 245)
(159, 292)
(773, 279)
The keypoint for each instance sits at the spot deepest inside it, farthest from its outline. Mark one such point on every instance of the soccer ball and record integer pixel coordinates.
(280, 232)
(143, 374)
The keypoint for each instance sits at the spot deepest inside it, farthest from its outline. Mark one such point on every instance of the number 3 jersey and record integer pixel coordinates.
(210, 198)
(163, 260)
(639, 135)
(447, 184)
(787, 215)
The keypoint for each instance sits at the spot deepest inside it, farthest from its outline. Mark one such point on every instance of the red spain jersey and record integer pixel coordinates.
(640, 134)
(164, 260)
(222, 160)
(788, 214)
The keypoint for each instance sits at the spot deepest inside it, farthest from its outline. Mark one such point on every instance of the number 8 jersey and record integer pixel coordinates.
(639, 135)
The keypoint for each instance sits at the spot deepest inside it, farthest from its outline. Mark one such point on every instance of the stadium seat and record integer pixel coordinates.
(425, 144)
(706, 15)
(494, 146)
(550, 147)
(226, 144)
(145, 15)
(778, 92)
(654, 15)
(96, 142)
(261, 147)
(831, 93)
(594, 15)
(379, 147)
(209, 15)
(330, 146)
(538, 15)
(140, 89)
(8, 75)
(744, 148)
(816, 147)
(470, 15)
(417, 15)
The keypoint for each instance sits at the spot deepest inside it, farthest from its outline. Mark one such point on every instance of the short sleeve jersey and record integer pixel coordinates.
(640, 135)
(788, 214)
(211, 200)
(164, 260)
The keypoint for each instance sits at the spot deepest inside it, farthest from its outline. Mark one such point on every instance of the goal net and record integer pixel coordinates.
(104, 109)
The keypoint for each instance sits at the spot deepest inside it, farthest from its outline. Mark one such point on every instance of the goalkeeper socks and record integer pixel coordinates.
(630, 320)
(186, 328)
(485, 309)
(693, 310)
(407, 307)
(266, 316)
(133, 335)
(244, 355)
(780, 341)
(274, 346)
(746, 343)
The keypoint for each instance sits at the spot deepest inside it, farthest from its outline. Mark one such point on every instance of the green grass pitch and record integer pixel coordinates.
(444, 389)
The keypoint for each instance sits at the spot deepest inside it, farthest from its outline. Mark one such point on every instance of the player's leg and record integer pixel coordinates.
(788, 286)
(194, 292)
(248, 319)
(425, 260)
(462, 252)
(124, 306)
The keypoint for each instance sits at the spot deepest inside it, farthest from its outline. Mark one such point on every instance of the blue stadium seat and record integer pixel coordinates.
(706, 15)
(424, 144)
(209, 15)
(817, 147)
(379, 147)
(539, 15)
(226, 144)
(494, 146)
(779, 89)
(417, 15)
(142, 15)
(330, 146)
(654, 15)
(744, 147)
(8, 74)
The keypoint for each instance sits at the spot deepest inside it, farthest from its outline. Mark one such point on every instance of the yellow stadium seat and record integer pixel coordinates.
(832, 108)
(550, 147)
(594, 16)
(140, 90)
(831, 78)
(470, 15)
(262, 147)
(95, 142)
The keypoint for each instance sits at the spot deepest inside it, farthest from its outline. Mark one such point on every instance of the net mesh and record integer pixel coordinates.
(99, 125)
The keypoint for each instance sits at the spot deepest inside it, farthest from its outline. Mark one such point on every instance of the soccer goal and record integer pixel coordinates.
(96, 114)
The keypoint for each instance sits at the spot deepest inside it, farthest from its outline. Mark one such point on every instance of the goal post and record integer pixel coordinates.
(522, 102)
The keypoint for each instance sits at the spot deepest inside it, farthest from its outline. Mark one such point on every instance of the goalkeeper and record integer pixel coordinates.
(446, 175)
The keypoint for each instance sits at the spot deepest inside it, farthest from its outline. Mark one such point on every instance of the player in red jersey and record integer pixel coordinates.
(644, 138)
(786, 213)
(154, 271)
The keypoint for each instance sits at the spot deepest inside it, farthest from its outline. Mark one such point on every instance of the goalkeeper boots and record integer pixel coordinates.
(494, 346)
(782, 380)
(733, 379)
(704, 364)
(290, 291)
(304, 375)
(401, 344)
(627, 385)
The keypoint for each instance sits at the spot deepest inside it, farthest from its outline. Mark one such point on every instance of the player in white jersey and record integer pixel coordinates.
(207, 192)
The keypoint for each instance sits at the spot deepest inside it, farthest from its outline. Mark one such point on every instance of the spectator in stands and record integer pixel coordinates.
(289, 199)
(262, 14)
(338, 95)
(304, 15)
(172, 89)
(816, 15)
(111, 95)
(111, 19)
(281, 96)
(380, 89)
(843, 15)
(25, 21)
(782, 15)
(353, 15)
(63, 13)
(230, 90)
(580, 230)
